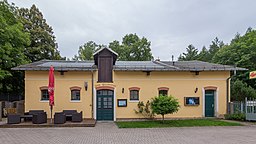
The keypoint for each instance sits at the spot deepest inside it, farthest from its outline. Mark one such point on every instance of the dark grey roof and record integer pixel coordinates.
(200, 66)
(172, 66)
(141, 66)
(128, 66)
(58, 65)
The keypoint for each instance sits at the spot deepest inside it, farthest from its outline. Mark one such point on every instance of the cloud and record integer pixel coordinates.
(170, 25)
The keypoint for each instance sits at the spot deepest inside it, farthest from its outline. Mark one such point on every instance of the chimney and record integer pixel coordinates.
(172, 60)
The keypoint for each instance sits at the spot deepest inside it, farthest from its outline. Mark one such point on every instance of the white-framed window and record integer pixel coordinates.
(75, 93)
(134, 95)
(44, 95)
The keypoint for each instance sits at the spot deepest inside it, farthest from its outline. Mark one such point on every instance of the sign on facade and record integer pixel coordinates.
(252, 75)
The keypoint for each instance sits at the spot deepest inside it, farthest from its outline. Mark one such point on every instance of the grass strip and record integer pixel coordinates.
(175, 123)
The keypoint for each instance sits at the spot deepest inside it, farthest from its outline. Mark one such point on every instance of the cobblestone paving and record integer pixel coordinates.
(108, 133)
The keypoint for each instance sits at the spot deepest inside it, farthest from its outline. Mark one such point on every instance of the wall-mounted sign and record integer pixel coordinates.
(252, 74)
(191, 101)
(122, 102)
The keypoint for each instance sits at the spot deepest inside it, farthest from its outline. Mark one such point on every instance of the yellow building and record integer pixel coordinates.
(106, 89)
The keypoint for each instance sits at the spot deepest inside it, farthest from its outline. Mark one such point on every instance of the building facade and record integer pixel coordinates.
(107, 89)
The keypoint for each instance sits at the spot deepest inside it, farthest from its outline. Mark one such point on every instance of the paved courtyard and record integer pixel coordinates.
(107, 132)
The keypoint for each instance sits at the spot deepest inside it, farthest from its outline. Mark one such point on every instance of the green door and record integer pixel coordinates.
(209, 103)
(105, 105)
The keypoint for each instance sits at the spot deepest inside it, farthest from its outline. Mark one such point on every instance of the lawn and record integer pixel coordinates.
(175, 123)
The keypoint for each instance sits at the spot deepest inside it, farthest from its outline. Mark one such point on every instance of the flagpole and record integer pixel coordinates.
(51, 89)
(51, 114)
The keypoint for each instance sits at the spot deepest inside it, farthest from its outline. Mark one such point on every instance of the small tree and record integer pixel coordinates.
(164, 105)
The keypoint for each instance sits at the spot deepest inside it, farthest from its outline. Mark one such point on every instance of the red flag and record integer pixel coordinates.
(51, 86)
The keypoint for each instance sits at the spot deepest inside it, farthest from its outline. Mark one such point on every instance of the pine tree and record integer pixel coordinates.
(191, 54)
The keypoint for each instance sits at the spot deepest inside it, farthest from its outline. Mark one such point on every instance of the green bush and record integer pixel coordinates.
(145, 110)
(237, 116)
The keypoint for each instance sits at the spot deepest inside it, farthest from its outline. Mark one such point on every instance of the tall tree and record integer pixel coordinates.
(132, 48)
(13, 40)
(204, 55)
(191, 54)
(214, 48)
(43, 44)
(118, 48)
(240, 52)
(86, 51)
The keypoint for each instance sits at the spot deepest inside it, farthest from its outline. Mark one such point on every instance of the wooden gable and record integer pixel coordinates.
(105, 59)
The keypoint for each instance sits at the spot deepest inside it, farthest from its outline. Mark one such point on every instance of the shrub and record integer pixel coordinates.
(145, 110)
(236, 116)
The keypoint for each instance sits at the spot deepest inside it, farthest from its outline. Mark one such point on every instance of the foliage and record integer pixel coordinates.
(240, 90)
(132, 48)
(240, 52)
(214, 48)
(236, 116)
(204, 55)
(175, 123)
(13, 40)
(43, 44)
(192, 54)
(145, 110)
(24, 37)
(164, 105)
(86, 51)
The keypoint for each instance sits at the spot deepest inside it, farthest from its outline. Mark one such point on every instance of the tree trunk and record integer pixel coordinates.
(4, 86)
(162, 118)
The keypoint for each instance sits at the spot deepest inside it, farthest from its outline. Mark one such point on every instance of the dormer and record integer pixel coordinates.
(105, 58)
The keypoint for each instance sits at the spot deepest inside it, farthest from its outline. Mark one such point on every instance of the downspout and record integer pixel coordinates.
(92, 92)
(228, 86)
(228, 107)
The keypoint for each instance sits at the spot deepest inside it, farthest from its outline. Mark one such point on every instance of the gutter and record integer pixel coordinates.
(228, 89)
(227, 98)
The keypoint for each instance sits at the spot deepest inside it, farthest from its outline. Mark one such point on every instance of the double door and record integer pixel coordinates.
(105, 105)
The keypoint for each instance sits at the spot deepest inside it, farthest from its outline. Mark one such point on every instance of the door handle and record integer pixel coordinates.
(212, 105)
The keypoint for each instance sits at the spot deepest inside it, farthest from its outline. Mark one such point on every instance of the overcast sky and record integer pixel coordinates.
(170, 25)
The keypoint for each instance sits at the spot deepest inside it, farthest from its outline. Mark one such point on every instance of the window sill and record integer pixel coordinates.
(134, 101)
(75, 101)
(44, 101)
(104, 81)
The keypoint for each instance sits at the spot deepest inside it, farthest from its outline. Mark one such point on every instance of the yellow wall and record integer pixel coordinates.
(180, 84)
(62, 94)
